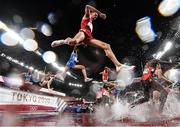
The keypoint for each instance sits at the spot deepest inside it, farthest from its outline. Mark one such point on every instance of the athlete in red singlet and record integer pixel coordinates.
(84, 36)
(105, 74)
(87, 28)
(150, 84)
(147, 73)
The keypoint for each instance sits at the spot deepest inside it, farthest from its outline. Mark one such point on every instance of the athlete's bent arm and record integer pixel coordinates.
(89, 8)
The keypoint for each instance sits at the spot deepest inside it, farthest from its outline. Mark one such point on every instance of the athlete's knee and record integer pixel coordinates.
(83, 67)
(72, 41)
(106, 46)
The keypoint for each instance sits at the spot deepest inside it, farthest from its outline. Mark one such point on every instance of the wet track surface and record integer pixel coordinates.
(87, 119)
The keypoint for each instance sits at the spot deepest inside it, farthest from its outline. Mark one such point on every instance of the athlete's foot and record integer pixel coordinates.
(118, 68)
(88, 79)
(58, 43)
(50, 89)
(126, 67)
(130, 67)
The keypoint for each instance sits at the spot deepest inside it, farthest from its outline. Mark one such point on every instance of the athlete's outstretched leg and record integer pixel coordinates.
(49, 83)
(155, 85)
(83, 69)
(107, 49)
(69, 41)
(146, 85)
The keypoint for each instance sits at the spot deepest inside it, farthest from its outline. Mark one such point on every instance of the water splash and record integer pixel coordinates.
(140, 113)
(172, 106)
(125, 77)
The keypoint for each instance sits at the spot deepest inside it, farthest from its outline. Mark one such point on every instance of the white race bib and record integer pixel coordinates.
(90, 26)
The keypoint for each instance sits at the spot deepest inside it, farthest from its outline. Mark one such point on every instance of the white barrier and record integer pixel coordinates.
(29, 101)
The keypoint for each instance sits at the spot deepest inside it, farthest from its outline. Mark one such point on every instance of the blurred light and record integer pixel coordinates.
(62, 69)
(46, 29)
(144, 30)
(30, 45)
(14, 80)
(154, 55)
(169, 7)
(14, 27)
(27, 33)
(167, 46)
(3, 55)
(135, 95)
(52, 18)
(17, 19)
(54, 64)
(170, 60)
(69, 73)
(13, 60)
(10, 32)
(36, 70)
(9, 58)
(38, 53)
(31, 68)
(8, 39)
(16, 61)
(12, 36)
(15, 35)
(49, 57)
(22, 64)
(74, 84)
(3, 26)
(159, 55)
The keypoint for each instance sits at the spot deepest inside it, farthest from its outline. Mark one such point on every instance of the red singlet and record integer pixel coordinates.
(87, 28)
(105, 75)
(147, 73)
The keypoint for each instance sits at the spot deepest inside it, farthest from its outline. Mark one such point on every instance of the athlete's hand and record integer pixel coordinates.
(103, 16)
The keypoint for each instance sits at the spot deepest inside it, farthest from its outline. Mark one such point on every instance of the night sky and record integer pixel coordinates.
(118, 30)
